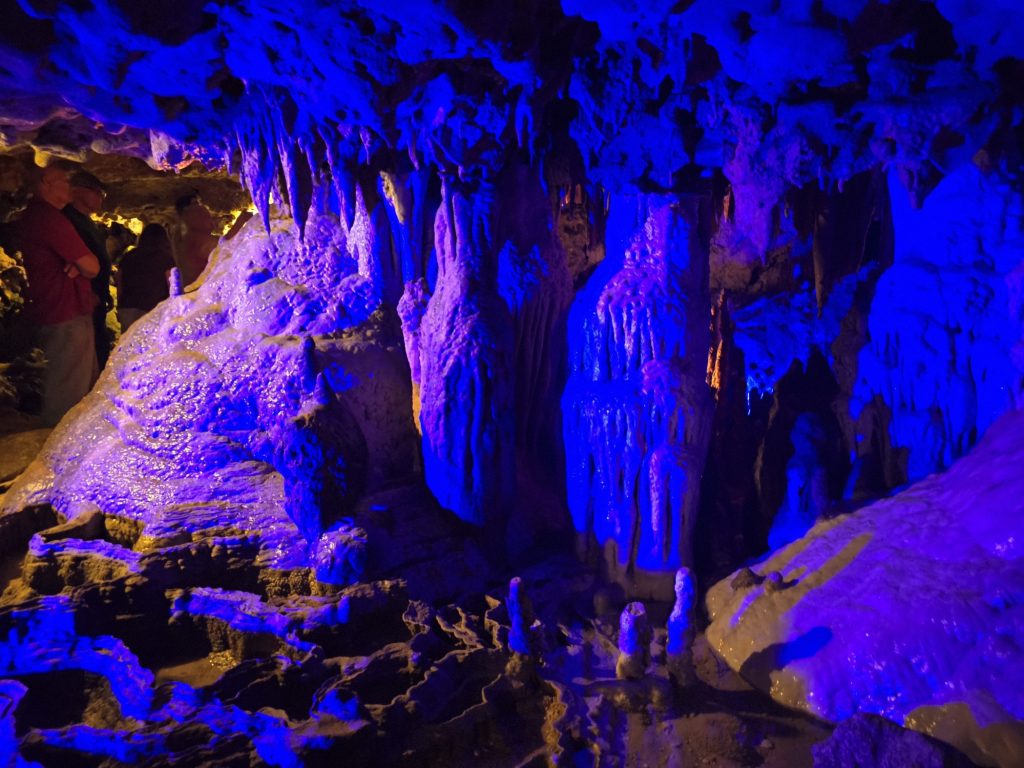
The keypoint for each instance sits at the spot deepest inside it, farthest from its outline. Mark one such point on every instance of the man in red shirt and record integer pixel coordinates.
(60, 300)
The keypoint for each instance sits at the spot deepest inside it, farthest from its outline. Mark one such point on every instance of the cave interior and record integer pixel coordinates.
(594, 383)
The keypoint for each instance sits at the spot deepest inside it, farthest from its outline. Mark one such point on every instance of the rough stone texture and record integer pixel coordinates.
(869, 741)
(634, 643)
(682, 629)
(466, 387)
(250, 404)
(945, 328)
(242, 471)
(637, 406)
(191, 655)
(905, 608)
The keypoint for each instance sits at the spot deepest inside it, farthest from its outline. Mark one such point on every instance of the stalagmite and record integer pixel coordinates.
(682, 630)
(521, 618)
(634, 643)
(174, 282)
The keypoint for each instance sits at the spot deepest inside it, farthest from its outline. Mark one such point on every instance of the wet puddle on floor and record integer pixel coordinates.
(197, 672)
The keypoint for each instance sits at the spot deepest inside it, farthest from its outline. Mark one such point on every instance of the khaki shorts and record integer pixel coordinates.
(71, 369)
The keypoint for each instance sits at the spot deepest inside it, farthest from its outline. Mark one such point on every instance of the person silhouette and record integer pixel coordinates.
(59, 297)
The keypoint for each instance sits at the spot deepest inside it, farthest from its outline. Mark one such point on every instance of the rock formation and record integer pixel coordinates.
(683, 280)
(682, 629)
(248, 404)
(903, 609)
(637, 404)
(634, 643)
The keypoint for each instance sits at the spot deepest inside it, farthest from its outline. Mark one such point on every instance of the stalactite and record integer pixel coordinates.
(637, 404)
(406, 199)
(370, 243)
(534, 280)
(465, 337)
(411, 309)
(259, 170)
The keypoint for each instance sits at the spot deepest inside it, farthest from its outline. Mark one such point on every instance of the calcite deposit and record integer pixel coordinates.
(906, 608)
(553, 315)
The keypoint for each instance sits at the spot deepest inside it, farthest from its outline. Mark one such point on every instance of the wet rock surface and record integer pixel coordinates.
(901, 608)
(193, 654)
(870, 740)
(249, 474)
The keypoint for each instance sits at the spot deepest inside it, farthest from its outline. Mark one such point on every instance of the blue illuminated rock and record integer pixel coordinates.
(340, 554)
(11, 692)
(682, 629)
(634, 643)
(637, 407)
(466, 388)
(943, 358)
(419, 168)
(869, 741)
(250, 404)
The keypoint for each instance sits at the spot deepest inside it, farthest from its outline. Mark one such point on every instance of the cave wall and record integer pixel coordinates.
(944, 326)
(480, 169)
(684, 282)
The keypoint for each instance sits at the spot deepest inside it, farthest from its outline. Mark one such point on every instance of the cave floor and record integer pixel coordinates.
(120, 651)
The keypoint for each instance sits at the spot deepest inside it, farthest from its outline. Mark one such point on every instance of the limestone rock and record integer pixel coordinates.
(466, 391)
(682, 629)
(634, 643)
(870, 741)
(637, 408)
(215, 413)
(943, 359)
(903, 608)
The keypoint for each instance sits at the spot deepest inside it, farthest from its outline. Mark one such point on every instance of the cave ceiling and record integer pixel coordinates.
(647, 96)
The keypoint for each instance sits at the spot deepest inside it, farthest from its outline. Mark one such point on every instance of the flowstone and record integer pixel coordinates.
(197, 652)
(905, 608)
(265, 401)
(637, 407)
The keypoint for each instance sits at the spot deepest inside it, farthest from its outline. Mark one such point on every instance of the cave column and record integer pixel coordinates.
(637, 406)
(465, 342)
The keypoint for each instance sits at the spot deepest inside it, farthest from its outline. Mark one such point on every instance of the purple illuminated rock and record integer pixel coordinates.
(265, 401)
(174, 282)
(682, 629)
(904, 608)
(521, 618)
(637, 407)
(466, 389)
(869, 741)
(634, 643)
(11, 692)
(44, 637)
(340, 554)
